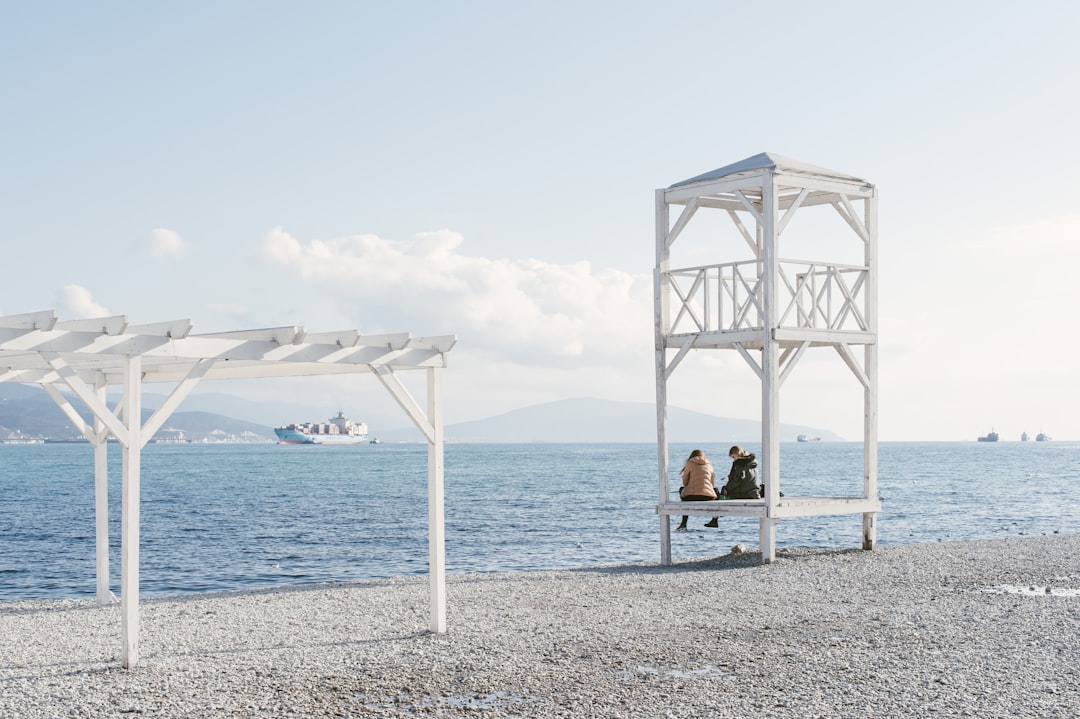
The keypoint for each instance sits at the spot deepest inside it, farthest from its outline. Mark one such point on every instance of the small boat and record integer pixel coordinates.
(1040, 437)
(804, 438)
(991, 437)
(375, 440)
(1024, 437)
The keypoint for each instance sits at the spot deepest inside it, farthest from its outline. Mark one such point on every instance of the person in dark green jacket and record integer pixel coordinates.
(742, 482)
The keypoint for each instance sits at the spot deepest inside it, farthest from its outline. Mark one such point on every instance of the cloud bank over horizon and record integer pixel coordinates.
(526, 311)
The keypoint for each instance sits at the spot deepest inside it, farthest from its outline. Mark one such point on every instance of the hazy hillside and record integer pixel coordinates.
(595, 420)
(30, 411)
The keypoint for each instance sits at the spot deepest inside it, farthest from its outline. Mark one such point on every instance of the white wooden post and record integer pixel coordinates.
(436, 519)
(770, 366)
(129, 519)
(101, 499)
(870, 395)
(661, 325)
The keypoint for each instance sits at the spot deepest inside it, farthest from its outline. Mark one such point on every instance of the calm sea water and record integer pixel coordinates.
(218, 517)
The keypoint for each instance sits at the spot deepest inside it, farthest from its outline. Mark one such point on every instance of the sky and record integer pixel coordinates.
(487, 169)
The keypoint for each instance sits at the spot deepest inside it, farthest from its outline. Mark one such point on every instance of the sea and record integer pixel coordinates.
(220, 517)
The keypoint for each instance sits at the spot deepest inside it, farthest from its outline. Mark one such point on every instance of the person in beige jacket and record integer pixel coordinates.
(697, 483)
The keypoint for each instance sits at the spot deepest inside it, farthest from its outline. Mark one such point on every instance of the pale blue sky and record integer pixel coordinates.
(487, 169)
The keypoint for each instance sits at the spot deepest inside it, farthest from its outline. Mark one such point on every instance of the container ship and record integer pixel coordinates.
(337, 430)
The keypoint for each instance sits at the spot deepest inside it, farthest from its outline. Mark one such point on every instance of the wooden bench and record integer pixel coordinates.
(786, 507)
(768, 516)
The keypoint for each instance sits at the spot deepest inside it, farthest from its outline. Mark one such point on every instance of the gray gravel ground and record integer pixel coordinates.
(971, 629)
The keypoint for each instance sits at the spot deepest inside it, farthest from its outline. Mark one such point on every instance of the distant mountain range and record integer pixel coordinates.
(598, 420)
(29, 411)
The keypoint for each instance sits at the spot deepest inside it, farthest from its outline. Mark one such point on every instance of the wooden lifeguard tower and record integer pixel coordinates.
(771, 310)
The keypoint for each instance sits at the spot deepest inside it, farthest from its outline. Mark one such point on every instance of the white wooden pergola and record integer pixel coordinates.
(771, 309)
(89, 355)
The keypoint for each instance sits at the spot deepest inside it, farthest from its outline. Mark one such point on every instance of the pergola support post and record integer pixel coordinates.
(436, 520)
(431, 424)
(129, 513)
(101, 501)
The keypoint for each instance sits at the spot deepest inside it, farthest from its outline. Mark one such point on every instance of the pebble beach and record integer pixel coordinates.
(968, 629)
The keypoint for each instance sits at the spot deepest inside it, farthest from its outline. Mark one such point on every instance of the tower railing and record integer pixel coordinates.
(728, 296)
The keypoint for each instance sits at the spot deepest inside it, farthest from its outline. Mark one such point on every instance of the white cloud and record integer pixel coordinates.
(76, 301)
(530, 311)
(162, 244)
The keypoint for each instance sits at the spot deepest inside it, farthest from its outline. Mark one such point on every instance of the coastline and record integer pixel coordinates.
(982, 628)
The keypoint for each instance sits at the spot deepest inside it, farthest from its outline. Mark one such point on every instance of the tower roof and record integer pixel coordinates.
(768, 161)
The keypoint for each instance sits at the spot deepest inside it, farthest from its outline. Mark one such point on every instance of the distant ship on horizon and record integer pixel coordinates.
(1040, 437)
(991, 437)
(804, 438)
(337, 430)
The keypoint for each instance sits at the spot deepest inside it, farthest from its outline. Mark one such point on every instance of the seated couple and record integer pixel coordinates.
(699, 485)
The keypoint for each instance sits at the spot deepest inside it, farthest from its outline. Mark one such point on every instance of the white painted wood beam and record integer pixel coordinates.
(744, 335)
(441, 343)
(129, 513)
(754, 211)
(790, 358)
(94, 325)
(790, 212)
(818, 185)
(436, 514)
(174, 329)
(687, 345)
(395, 341)
(172, 402)
(45, 320)
(680, 224)
(850, 217)
(770, 367)
(277, 335)
(750, 360)
(661, 328)
(721, 203)
(750, 240)
(680, 195)
(729, 202)
(825, 506)
(89, 398)
(101, 502)
(853, 364)
(405, 400)
(73, 416)
(820, 337)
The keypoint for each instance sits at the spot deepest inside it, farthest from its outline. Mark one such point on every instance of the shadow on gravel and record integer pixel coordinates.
(742, 560)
